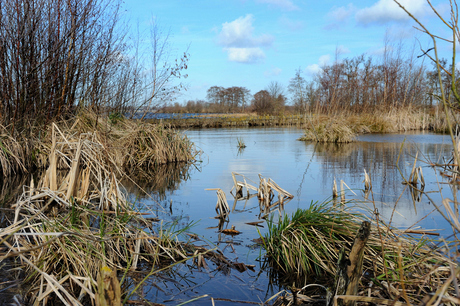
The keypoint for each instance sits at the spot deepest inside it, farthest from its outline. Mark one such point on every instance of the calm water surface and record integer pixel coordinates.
(307, 171)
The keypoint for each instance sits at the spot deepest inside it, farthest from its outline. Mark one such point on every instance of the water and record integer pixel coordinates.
(152, 115)
(307, 171)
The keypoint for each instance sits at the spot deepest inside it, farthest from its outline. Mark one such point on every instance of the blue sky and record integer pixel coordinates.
(250, 43)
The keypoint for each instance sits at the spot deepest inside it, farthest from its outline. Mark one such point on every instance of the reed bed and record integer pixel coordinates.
(345, 127)
(74, 228)
(307, 245)
(132, 145)
(232, 120)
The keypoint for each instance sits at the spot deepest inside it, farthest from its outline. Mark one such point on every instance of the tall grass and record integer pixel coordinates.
(335, 131)
(133, 146)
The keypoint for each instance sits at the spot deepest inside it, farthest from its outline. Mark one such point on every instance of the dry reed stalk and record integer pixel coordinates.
(238, 185)
(367, 181)
(335, 193)
(69, 233)
(14, 153)
(266, 194)
(222, 208)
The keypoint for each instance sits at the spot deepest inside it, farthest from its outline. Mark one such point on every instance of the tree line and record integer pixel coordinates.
(269, 101)
(396, 79)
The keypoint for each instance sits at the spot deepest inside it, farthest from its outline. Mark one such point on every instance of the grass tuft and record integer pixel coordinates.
(306, 245)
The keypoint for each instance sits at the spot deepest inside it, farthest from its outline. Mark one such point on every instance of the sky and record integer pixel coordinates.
(251, 43)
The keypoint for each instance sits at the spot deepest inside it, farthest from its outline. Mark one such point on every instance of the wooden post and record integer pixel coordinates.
(349, 270)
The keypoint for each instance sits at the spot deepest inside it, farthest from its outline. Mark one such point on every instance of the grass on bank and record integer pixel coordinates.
(132, 145)
(307, 245)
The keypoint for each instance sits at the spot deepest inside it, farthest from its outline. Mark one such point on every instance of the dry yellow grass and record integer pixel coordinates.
(71, 225)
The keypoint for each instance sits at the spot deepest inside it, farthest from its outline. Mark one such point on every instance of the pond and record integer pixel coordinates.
(307, 171)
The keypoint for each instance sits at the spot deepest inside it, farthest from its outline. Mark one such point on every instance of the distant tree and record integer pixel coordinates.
(262, 103)
(228, 99)
(277, 97)
(214, 95)
(298, 90)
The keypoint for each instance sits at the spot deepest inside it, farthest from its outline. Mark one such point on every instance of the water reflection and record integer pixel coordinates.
(158, 182)
(388, 164)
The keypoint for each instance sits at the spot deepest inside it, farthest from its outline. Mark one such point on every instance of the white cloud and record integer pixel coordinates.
(338, 16)
(239, 33)
(313, 69)
(385, 11)
(273, 72)
(238, 40)
(324, 60)
(317, 68)
(283, 4)
(245, 55)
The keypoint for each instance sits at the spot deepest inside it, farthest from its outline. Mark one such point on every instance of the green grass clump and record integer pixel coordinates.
(308, 242)
(306, 245)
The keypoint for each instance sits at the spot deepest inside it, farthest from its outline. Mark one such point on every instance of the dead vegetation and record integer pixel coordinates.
(345, 127)
(74, 227)
(132, 146)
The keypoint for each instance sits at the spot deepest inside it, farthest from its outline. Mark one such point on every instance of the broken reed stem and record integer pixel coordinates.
(349, 268)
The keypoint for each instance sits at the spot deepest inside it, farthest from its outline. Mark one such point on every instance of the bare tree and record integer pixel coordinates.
(228, 99)
(278, 100)
(298, 89)
(159, 86)
(262, 103)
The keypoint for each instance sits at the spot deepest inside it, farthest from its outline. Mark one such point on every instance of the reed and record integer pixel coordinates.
(344, 127)
(132, 145)
(16, 153)
(240, 143)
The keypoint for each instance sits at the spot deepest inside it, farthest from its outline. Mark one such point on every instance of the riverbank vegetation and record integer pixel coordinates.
(74, 226)
(73, 62)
